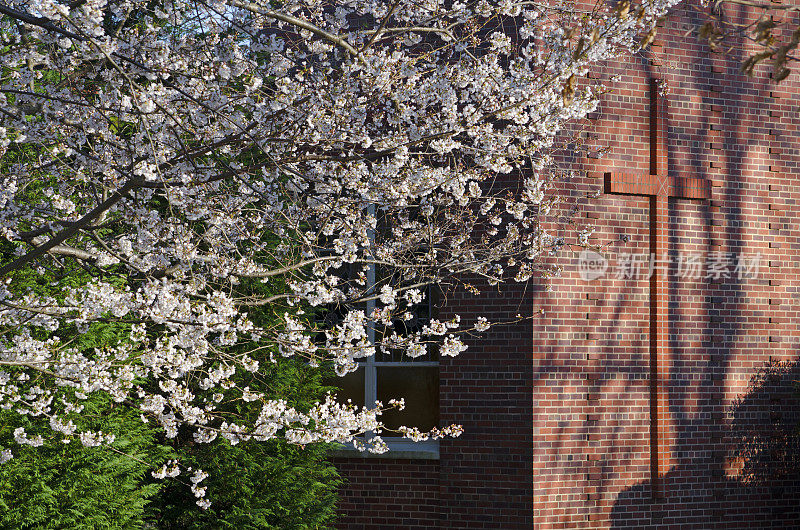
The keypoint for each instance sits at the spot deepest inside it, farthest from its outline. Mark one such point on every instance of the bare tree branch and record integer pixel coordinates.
(69, 231)
(294, 21)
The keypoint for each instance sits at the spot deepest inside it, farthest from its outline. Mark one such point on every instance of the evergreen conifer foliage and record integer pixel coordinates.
(72, 486)
(67, 485)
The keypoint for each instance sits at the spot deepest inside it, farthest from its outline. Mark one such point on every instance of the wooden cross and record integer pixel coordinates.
(659, 187)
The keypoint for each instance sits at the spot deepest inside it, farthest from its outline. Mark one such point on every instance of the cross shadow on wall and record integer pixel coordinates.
(754, 484)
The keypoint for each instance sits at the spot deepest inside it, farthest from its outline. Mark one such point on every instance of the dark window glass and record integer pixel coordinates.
(351, 387)
(419, 386)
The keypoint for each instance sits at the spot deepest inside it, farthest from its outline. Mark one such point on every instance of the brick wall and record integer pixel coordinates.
(389, 494)
(557, 410)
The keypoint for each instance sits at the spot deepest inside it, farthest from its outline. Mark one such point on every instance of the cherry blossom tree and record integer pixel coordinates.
(201, 158)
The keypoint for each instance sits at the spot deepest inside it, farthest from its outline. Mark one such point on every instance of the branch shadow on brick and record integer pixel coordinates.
(755, 483)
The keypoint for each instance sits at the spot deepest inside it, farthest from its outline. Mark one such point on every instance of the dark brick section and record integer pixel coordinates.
(556, 410)
(483, 478)
(389, 494)
(485, 473)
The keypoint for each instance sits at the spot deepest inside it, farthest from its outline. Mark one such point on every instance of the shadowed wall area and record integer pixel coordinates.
(755, 484)
(591, 360)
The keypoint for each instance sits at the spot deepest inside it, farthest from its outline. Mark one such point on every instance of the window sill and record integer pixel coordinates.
(398, 448)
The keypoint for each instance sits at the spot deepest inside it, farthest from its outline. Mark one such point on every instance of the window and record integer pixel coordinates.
(392, 374)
